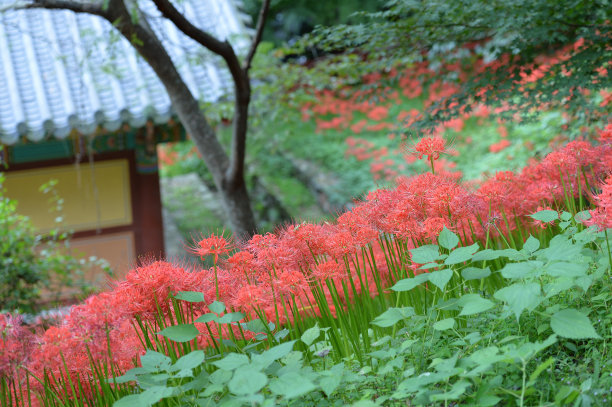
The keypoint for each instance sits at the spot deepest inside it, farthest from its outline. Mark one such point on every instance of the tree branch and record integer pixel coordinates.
(89, 8)
(261, 22)
(222, 48)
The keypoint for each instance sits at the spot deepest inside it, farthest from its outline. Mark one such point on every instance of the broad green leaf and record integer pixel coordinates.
(231, 317)
(454, 393)
(559, 285)
(425, 254)
(520, 297)
(255, 326)
(448, 239)
(571, 323)
(247, 380)
(444, 324)
(487, 254)
(154, 361)
(541, 367)
(490, 254)
(567, 269)
(220, 376)
(474, 273)
(180, 333)
(565, 215)
(278, 351)
(188, 361)
(231, 361)
(440, 278)
(560, 249)
(408, 284)
(310, 335)
(393, 315)
(154, 394)
(429, 266)
(522, 269)
(545, 216)
(531, 244)
(473, 304)
(330, 384)
(130, 375)
(461, 254)
(582, 216)
(292, 385)
(217, 307)
(207, 318)
(132, 400)
(190, 296)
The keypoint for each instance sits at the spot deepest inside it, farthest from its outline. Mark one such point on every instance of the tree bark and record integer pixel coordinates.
(233, 190)
(227, 172)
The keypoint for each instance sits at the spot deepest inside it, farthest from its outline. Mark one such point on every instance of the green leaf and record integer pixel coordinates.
(454, 393)
(310, 335)
(278, 351)
(520, 297)
(473, 304)
(425, 254)
(461, 254)
(154, 394)
(444, 324)
(531, 244)
(440, 278)
(541, 367)
(582, 216)
(292, 385)
(220, 377)
(246, 381)
(408, 284)
(180, 333)
(133, 400)
(545, 216)
(231, 317)
(188, 361)
(217, 307)
(392, 316)
(255, 326)
(154, 361)
(567, 269)
(571, 323)
(232, 361)
(522, 269)
(486, 255)
(207, 318)
(474, 273)
(448, 239)
(190, 296)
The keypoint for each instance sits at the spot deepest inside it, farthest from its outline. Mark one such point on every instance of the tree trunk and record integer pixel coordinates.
(228, 177)
(237, 206)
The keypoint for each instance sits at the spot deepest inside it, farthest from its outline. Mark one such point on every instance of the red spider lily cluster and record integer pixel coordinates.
(351, 109)
(275, 272)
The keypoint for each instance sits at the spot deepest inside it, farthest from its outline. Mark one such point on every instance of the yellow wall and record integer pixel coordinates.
(95, 195)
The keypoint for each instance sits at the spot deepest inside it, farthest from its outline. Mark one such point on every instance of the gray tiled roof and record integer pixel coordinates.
(59, 71)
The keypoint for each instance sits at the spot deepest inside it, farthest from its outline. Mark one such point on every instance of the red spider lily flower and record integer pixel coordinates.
(499, 146)
(432, 147)
(605, 136)
(213, 245)
(602, 215)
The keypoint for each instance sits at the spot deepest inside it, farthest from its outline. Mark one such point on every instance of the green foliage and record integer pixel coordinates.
(407, 31)
(31, 261)
(290, 19)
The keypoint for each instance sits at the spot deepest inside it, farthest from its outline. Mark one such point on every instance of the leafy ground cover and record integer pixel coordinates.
(432, 292)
